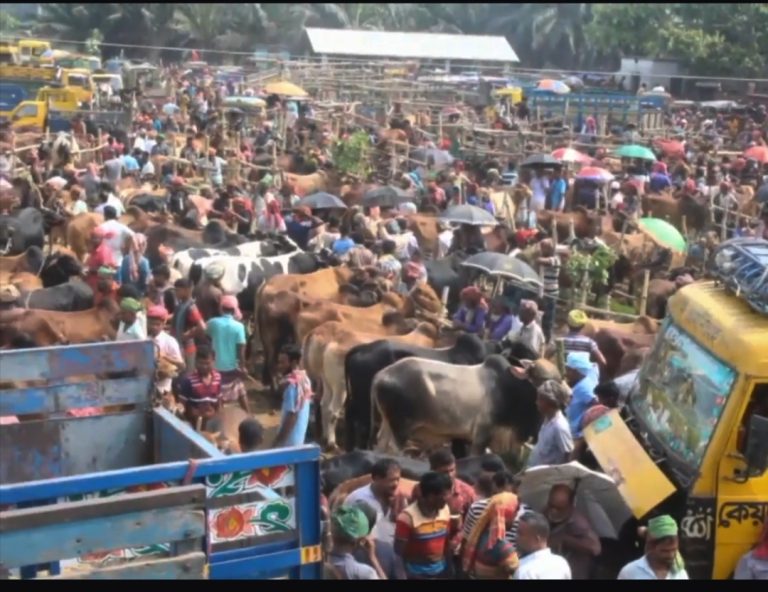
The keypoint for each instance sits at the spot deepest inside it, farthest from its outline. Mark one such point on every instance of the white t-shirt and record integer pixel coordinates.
(543, 565)
(539, 187)
(640, 570)
(132, 333)
(170, 349)
(119, 234)
(113, 201)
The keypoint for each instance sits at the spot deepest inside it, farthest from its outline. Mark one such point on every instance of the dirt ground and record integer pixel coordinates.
(265, 408)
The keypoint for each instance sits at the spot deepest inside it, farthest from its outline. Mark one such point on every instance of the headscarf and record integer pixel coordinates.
(131, 305)
(473, 294)
(501, 508)
(351, 521)
(300, 380)
(157, 311)
(554, 391)
(138, 247)
(230, 302)
(661, 527)
(577, 319)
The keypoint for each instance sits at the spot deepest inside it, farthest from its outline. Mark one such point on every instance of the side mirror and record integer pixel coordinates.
(756, 454)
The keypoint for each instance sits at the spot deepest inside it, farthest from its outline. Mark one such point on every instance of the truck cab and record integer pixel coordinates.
(33, 115)
(79, 80)
(693, 439)
(32, 51)
(9, 53)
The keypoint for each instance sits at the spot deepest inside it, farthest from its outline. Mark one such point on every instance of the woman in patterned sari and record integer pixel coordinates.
(487, 553)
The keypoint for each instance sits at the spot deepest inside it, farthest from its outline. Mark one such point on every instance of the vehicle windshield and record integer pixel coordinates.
(682, 391)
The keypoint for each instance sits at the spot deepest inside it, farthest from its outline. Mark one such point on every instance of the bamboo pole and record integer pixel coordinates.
(644, 294)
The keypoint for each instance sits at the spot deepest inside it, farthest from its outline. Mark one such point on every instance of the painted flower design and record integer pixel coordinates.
(146, 487)
(234, 522)
(268, 475)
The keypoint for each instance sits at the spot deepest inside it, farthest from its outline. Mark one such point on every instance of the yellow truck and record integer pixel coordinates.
(33, 51)
(35, 77)
(9, 53)
(692, 440)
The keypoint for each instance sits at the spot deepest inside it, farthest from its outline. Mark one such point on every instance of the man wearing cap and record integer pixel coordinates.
(579, 374)
(555, 442)
(529, 332)
(227, 335)
(349, 531)
(662, 560)
(167, 347)
(574, 341)
(129, 328)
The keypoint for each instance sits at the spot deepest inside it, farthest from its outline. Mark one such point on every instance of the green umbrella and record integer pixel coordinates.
(635, 151)
(663, 233)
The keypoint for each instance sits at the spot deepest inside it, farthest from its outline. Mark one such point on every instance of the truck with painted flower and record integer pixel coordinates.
(132, 491)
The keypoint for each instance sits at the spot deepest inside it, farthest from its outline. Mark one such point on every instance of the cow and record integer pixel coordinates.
(222, 430)
(30, 261)
(79, 232)
(362, 363)
(325, 349)
(616, 344)
(271, 247)
(425, 400)
(335, 471)
(303, 185)
(214, 234)
(20, 230)
(585, 224)
(644, 325)
(48, 327)
(243, 276)
(72, 296)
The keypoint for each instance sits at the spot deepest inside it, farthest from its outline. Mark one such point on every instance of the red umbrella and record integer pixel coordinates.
(670, 147)
(759, 153)
(595, 174)
(571, 155)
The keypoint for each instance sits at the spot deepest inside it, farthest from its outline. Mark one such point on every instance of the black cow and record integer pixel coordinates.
(151, 204)
(58, 268)
(339, 469)
(214, 235)
(69, 297)
(459, 402)
(364, 361)
(20, 230)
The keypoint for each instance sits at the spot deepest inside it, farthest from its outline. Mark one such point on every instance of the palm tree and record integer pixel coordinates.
(202, 23)
(554, 33)
(145, 24)
(75, 21)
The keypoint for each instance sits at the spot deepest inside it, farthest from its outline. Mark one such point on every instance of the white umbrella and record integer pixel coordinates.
(597, 496)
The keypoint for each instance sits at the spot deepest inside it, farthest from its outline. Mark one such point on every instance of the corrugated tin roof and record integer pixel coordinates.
(389, 44)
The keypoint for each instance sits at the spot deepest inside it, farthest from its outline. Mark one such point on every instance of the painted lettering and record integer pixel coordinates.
(697, 524)
(741, 512)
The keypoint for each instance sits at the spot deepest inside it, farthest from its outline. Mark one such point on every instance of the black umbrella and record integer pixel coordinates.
(386, 197)
(762, 194)
(322, 201)
(498, 264)
(467, 214)
(541, 161)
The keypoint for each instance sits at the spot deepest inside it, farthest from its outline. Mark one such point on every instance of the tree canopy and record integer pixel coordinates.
(715, 39)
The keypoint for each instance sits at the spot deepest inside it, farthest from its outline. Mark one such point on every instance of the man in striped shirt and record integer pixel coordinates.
(503, 481)
(549, 267)
(574, 341)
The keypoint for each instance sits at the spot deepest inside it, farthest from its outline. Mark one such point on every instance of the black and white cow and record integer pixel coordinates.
(243, 276)
(269, 247)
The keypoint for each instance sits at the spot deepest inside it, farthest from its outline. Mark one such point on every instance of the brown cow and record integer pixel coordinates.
(615, 345)
(303, 185)
(641, 326)
(426, 230)
(48, 327)
(585, 224)
(325, 349)
(222, 430)
(79, 232)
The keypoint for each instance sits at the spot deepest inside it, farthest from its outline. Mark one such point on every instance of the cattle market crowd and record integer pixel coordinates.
(387, 315)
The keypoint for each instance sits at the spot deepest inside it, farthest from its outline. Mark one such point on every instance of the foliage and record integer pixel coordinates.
(93, 43)
(596, 265)
(709, 38)
(350, 155)
(8, 23)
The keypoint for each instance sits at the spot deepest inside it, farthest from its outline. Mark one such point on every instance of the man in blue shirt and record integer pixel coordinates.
(227, 337)
(297, 398)
(557, 191)
(581, 378)
(342, 245)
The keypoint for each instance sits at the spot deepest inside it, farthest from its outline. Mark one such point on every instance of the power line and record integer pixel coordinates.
(363, 59)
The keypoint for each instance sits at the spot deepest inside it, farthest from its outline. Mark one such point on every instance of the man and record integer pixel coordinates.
(117, 234)
(424, 528)
(187, 322)
(574, 341)
(528, 332)
(297, 398)
(342, 245)
(380, 495)
(540, 188)
(556, 197)
(579, 374)
(554, 445)
(300, 226)
(200, 391)
(662, 560)
(461, 498)
(349, 530)
(228, 340)
(538, 561)
(113, 168)
(571, 535)
(167, 346)
(549, 266)
(250, 435)
(130, 328)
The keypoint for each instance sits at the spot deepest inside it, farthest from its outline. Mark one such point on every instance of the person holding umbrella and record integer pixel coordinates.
(471, 314)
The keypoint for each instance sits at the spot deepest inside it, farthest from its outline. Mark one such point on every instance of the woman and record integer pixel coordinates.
(487, 553)
(272, 219)
(134, 269)
(100, 256)
(471, 314)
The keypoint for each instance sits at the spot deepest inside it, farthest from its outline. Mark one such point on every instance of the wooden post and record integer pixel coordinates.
(684, 224)
(560, 348)
(554, 231)
(644, 294)
(584, 286)
(724, 226)
(571, 229)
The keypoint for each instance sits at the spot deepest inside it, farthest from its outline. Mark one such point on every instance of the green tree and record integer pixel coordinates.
(76, 21)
